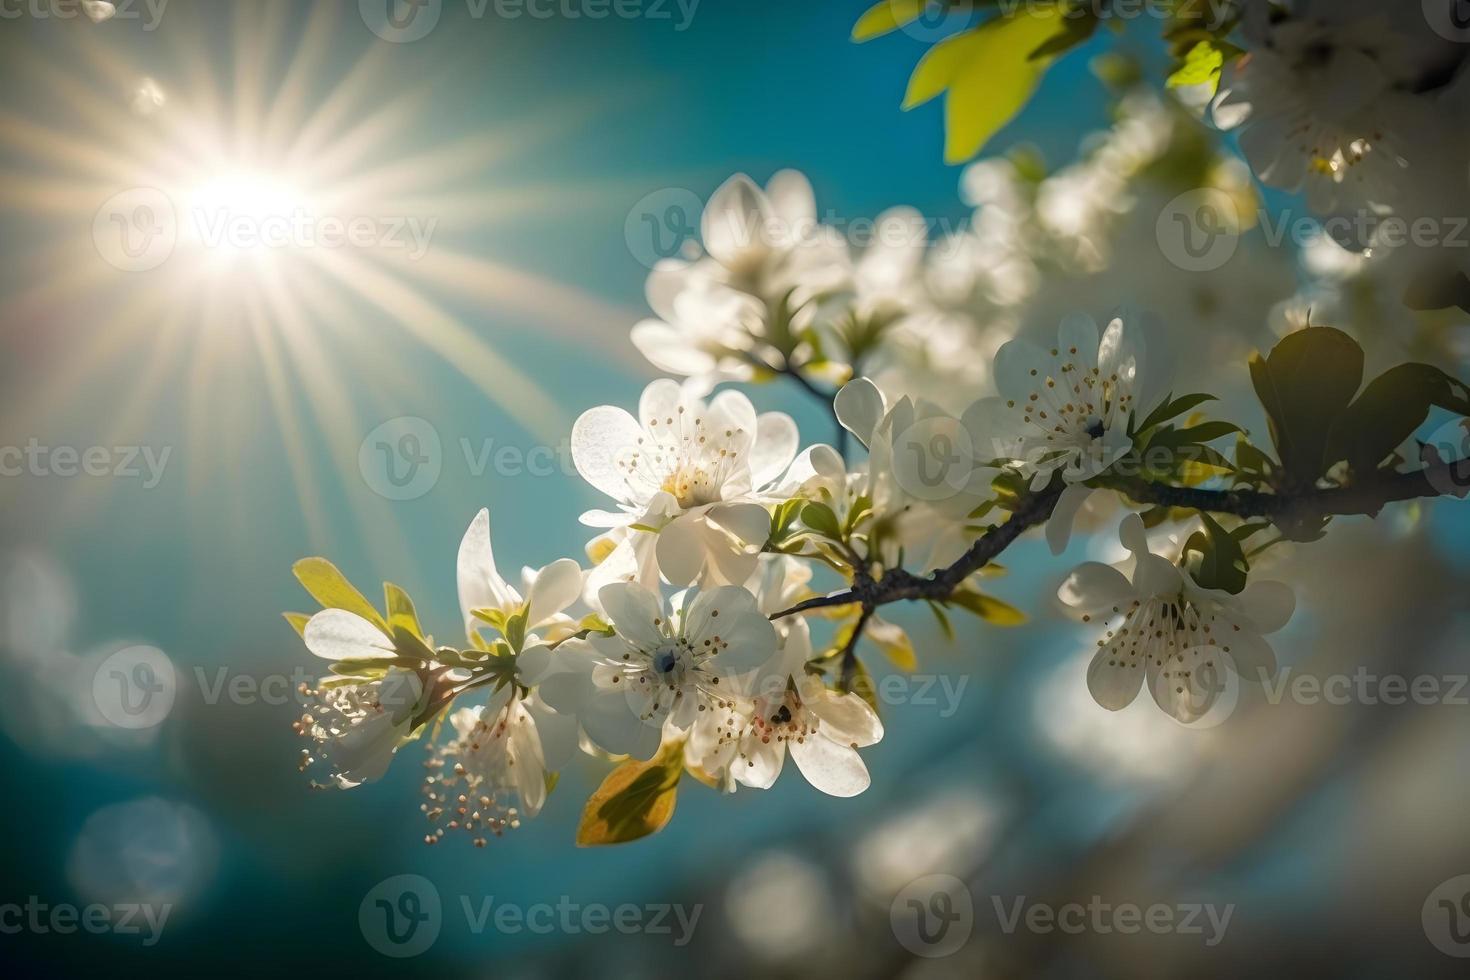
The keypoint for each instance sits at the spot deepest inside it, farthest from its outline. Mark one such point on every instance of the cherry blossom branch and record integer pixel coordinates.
(1367, 497)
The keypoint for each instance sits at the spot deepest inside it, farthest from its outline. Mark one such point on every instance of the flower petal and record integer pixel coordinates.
(556, 587)
(1059, 525)
(635, 612)
(336, 634)
(1093, 587)
(859, 407)
(1113, 683)
(836, 770)
(604, 440)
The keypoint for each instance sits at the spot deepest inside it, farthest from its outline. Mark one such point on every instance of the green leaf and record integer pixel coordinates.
(995, 75)
(1305, 383)
(1172, 408)
(988, 608)
(886, 17)
(330, 587)
(945, 626)
(635, 800)
(298, 622)
(894, 642)
(819, 518)
(1388, 411)
(410, 645)
(1222, 564)
(400, 610)
(1201, 66)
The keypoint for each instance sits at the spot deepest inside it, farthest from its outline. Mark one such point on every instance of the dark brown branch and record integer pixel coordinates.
(1367, 497)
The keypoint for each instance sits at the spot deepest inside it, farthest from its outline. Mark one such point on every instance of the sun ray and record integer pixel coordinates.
(499, 380)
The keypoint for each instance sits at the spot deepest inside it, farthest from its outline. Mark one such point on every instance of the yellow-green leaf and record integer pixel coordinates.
(1201, 65)
(298, 622)
(894, 642)
(994, 76)
(330, 587)
(635, 800)
(400, 610)
(887, 16)
(992, 610)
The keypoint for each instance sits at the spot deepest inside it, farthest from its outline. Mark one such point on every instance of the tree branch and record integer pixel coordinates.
(1367, 497)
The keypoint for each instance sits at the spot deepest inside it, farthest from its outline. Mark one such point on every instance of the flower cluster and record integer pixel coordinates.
(971, 404)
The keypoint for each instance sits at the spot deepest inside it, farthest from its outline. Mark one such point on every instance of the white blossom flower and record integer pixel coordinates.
(1165, 630)
(1066, 408)
(548, 591)
(356, 723)
(744, 738)
(688, 479)
(1318, 98)
(494, 772)
(663, 666)
(702, 329)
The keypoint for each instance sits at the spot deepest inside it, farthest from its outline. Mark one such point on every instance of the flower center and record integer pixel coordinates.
(665, 659)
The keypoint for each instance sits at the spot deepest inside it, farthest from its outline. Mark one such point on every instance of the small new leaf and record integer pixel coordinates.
(635, 800)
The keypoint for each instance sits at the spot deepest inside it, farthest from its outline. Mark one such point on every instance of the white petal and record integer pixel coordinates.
(1059, 525)
(1268, 604)
(731, 223)
(731, 613)
(791, 200)
(530, 765)
(859, 407)
(1112, 682)
(480, 583)
(750, 523)
(611, 723)
(761, 765)
(847, 719)
(774, 448)
(836, 770)
(604, 440)
(556, 587)
(1093, 587)
(1077, 338)
(558, 733)
(635, 612)
(336, 634)
(681, 549)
